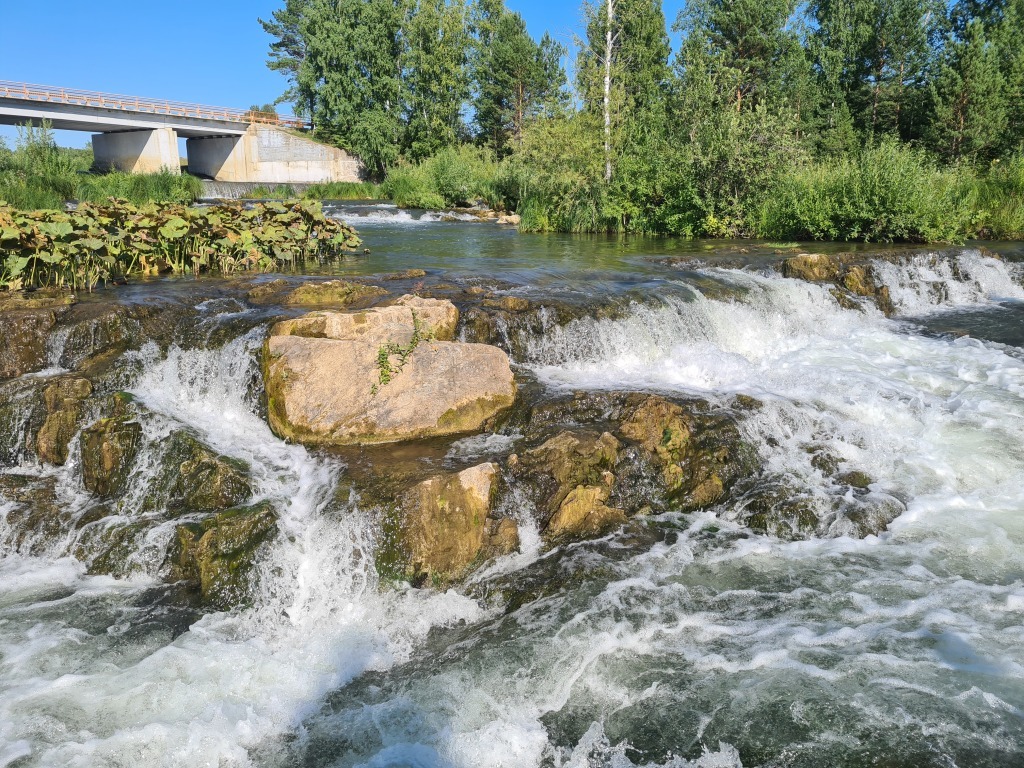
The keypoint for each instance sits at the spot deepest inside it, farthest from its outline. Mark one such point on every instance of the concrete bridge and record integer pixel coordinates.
(140, 135)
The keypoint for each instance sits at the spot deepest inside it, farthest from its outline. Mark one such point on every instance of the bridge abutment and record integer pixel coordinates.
(270, 155)
(145, 151)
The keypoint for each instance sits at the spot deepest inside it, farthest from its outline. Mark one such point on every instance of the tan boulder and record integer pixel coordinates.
(381, 376)
(584, 514)
(446, 525)
(433, 318)
(815, 267)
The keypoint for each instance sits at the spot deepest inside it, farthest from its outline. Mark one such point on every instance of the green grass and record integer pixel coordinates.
(344, 190)
(456, 176)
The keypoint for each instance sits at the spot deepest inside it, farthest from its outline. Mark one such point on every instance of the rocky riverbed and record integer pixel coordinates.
(442, 451)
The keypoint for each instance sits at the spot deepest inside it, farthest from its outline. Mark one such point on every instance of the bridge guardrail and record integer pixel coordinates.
(53, 94)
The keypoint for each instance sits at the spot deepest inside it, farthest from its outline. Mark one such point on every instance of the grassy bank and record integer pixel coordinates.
(37, 174)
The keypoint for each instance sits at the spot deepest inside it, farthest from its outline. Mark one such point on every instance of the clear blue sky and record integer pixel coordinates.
(201, 51)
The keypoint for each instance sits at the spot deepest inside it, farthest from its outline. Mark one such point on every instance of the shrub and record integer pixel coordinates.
(889, 192)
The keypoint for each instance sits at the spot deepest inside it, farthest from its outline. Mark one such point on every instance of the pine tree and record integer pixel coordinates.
(516, 78)
(970, 109)
(288, 52)
(1007, 35)
(436, 70)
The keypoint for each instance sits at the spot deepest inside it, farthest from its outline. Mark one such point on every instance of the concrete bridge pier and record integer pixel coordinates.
(142, 151)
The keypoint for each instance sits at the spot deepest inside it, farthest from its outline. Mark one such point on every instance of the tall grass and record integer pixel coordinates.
(889, 192)
(37, 174)
(999, 200)
(456, 176)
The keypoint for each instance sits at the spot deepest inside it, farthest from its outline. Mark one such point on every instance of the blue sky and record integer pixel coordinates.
(201, 51)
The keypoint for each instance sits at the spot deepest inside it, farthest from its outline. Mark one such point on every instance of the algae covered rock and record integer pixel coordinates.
(207, 482)
(814, 267)
(64, 400)
(569, 459)
(381, 375)
(219, 552)
(700, 453)
(340, 293)
(194, 478)
(445, 525)
(109, 449)
(584, 513)
(24, 334)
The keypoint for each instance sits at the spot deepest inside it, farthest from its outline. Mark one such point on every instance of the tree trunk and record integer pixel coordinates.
(608, 92)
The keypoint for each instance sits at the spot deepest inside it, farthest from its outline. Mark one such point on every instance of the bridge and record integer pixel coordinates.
(140, 135)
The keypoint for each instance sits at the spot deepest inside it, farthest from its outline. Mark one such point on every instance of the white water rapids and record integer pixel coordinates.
(833, 651)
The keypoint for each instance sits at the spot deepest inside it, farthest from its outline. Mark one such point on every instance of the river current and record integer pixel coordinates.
(696, 644)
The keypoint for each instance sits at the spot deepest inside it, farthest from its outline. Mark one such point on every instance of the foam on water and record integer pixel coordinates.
(75, 695)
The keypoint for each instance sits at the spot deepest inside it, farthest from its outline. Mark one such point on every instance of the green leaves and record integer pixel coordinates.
(97, 243)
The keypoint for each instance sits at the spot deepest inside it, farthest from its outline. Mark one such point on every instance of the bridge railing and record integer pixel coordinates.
(53, 94)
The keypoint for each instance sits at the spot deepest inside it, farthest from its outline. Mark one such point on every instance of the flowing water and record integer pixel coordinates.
(690, 643)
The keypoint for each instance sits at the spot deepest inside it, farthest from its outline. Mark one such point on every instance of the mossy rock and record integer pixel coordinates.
(25, 333)
(813, 267)
(442, 528)
(109, 450)
(219, 553)
(699, 449)
(64, 400)
(333, 293)
(194, 478)
(571, 458)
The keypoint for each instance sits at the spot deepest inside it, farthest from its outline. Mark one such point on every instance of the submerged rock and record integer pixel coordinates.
(445, 526)
(381, 375)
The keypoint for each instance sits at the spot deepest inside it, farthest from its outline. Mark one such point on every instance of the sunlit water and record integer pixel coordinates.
(694, 644)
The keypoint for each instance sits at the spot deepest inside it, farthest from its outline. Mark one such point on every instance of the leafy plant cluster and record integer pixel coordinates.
(104, 243)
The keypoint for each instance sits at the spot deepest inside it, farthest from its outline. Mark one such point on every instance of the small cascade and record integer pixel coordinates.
(922, 283)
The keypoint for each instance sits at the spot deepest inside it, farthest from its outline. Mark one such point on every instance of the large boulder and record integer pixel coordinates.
(381, 375)
(445, 526)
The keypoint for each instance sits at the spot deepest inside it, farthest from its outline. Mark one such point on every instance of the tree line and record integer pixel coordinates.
(763, 100)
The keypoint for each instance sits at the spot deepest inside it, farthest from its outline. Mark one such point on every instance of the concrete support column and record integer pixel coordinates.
(137, 151)
(222, 158)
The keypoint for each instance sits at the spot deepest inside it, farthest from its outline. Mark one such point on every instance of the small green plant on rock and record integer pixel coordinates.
(386, 371)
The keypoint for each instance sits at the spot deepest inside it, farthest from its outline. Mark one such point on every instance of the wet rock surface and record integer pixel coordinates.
(445, 525)
(381, 375)
(368, 370)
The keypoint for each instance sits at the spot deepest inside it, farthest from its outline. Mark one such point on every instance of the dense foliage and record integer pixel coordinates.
(102, 243)
(770, 118)
(39, 174)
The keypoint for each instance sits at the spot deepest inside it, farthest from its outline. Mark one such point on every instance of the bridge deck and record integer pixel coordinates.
(79, 110)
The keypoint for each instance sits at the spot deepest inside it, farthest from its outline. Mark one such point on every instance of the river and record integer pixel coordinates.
(683, 640)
